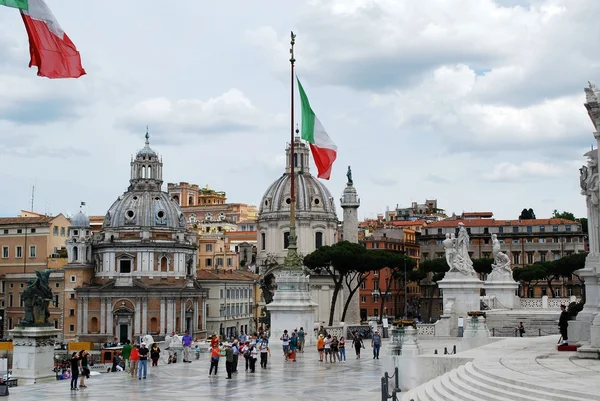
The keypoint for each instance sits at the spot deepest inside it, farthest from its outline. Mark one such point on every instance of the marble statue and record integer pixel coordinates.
(457, 252)
(588, 181)
(36, 299)
(501, 260)
(592, 94)
(349, 175)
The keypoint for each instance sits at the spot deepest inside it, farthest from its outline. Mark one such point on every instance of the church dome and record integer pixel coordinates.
(312, 197)
(144, 209)
(80, 220)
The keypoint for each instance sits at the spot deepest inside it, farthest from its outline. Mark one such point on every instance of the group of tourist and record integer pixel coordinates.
(79, 369)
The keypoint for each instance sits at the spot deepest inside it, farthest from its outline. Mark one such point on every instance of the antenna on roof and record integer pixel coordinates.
(32, 195)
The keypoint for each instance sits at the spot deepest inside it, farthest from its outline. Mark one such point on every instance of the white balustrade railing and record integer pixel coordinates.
(546, 303)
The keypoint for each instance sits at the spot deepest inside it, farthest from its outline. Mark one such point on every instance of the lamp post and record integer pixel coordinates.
(405, 289)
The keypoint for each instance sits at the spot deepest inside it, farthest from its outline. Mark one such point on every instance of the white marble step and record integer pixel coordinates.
(457, 393)
(465, 384)
(511, 380)
(498, 388)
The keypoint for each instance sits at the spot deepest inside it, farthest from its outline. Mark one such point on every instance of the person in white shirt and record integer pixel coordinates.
(328, 341)
(285, 342)
(265, 351)
(253, 357)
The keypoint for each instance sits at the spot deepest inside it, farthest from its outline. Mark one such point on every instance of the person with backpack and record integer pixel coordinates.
(264, 351)
(293, 347)
(285, 342)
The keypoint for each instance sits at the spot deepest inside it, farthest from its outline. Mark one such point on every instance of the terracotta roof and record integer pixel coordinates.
(229, 274)
(478, 214)
(497, 223)
(25, 220)
(96, 218)
(408, 223)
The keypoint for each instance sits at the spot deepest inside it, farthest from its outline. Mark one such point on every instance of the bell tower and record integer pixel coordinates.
(146, 169)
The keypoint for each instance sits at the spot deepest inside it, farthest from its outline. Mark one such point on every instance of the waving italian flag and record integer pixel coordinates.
(322, 147)
(50, 48)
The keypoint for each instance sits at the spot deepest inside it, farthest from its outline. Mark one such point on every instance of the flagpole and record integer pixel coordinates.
(292, 248)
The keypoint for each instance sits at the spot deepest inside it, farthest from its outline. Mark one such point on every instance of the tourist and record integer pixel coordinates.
(170, 342)
(85, 371)
(215, 354)
(264, 350)
(253, 358)
(342, 347)
(563, 323)
(521, 329)
(358, 343)
(126, 352)
(214, 341)
(228, 360)
(334, 349)
(246, 353)
(236, 354)
(376, 344)
(134, 359)
(285, 342)
(242, 337)
(327, 344)
(197, 352)
(301, 335)
(75, 364)
(321, 346)
(116, 365)
(293, 346)
(322, 331)
(187, 347)
(143, 363)
(155, 354)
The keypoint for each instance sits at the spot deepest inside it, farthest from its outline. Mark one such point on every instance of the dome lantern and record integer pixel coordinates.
(146, 169)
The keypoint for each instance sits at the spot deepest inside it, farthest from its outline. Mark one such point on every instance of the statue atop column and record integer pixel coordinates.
(349, 175)
(36, 298)
(457, 252)
(501, 263)
(588, 181)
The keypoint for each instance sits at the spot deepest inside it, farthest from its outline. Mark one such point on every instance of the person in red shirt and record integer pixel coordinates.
(134, 357)
(215, 354)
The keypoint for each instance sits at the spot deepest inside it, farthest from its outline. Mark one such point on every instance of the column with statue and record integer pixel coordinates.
(34, 337)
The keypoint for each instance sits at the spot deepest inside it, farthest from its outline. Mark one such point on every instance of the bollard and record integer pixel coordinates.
(384, 388)
(445, 350)
(493, 332)
(454, 349)
(435, 352)
(396, 379)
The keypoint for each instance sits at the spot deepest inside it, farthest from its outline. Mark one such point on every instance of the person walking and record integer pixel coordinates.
(358, 343)
(342, 347)
(301, 335)
(155, 354)
(265, 352)
(521, 329)
(236, 354)
(563, 324)
(253, 358)
(187, 347)
(75, 365)
(134, 359)
(126, 352)
(85, 370)
(228, 360)
(285, 342)
(215, 354)
(321, 346)
(143, 363)
(376, 344)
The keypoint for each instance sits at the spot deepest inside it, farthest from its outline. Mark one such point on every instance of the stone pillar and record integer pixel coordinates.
(79, 314)
(137, 328)
(182, 315)
(170, 325)
(196, 308)
(85, 315)
(144, 315)
(109, 318)
(162, 316)
(350, 204)
(461, 295)
(102, 316)
(204, 314)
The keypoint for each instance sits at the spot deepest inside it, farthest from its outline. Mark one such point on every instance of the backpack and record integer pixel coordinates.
(247, 353)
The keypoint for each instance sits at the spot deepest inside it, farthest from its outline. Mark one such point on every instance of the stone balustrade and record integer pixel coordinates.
(546, 303)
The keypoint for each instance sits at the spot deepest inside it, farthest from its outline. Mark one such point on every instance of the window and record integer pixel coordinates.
(19, 231)
(544, 291)
(10, 300)
(376, 272)
(439, 231)
(19, 252)
(125, 266)
(221, 293)
(286, 240)
(73, 279)
(542, 228)
(5, 231)
(376, 285)
(55, 231)
(515, 229)
(71, 312)
(500, 230)
(375, 312)
(72, 296)
(33, 230)
(229, 262)
(486, 230)
(529, 257)
(363, 300)
(555, 228)
(75, 232)
(71, 327)
(263, 239)
(515, 241)
(219, 262)
(557, 292)
(57, 285)
(4, 252)
(542, 240)
(318, 240)
(32, 251)
(363, 285)
(516, 258)
(568, 228)
(207, 262)
(208, 247)
(62, 231)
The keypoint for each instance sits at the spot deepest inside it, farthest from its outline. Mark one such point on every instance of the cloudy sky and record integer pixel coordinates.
(477, 103)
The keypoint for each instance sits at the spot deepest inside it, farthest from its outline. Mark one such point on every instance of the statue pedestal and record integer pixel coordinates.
(33, 353)
(292, 306)
(503, 287)
(461, 295)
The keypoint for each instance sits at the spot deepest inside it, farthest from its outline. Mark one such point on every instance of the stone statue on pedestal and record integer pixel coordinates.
(349, 175)
(588, 180)
(36, 299)
(501, 263)
(457, 252)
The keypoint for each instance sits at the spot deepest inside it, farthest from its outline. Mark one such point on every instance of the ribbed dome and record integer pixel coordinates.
(80, 220)
(144, 209)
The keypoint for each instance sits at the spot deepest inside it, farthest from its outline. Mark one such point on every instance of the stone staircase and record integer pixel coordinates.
(533, 371)
(502, 323)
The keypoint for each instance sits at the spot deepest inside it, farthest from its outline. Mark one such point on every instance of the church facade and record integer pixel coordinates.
(137, 275)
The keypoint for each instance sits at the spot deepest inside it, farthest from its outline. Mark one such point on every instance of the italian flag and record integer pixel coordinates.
(51, 50)
(322, 147)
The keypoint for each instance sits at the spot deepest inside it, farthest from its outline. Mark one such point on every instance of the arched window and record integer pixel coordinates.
(263, 241)
(176, 199)
(191, 200)
(163, 264)
(149, 172)
(144, 172)
(318, 240)
(286, 240)
(94, 325)
(75, 254)
(154, 325)
(295, 160)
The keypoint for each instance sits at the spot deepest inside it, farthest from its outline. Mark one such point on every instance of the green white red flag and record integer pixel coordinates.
(323, 149)
(51, 50)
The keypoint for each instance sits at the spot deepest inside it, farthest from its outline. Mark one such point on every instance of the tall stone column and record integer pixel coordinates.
(138, 315)
(85, 315)
(109, 317)
(162, 316)
(102, 316)
(144, 316)
(79, 314)
(350, 204)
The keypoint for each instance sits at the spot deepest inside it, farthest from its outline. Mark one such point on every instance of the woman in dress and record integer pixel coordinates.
(155, 354)
(358, 343)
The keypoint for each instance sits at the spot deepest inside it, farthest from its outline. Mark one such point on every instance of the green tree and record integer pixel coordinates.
(551, 271)
(483, 265)
(527, 214)
(431, 272)
(563, 215)
(397, 263)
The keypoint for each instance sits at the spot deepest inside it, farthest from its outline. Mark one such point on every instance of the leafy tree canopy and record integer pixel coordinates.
(527, 214)
(563, 215)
